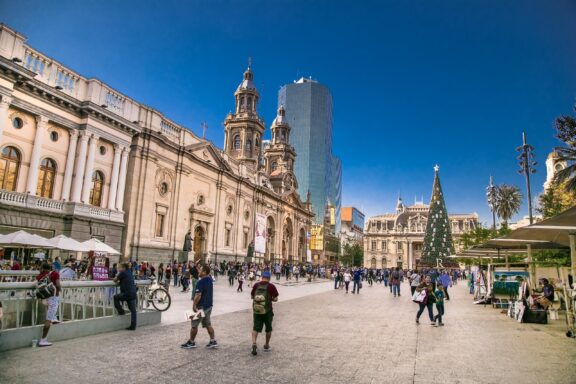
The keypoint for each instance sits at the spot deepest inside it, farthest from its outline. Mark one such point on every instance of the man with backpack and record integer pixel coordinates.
(48, 289)
(263, 294)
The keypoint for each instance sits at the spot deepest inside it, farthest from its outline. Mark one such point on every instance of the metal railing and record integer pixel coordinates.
(17, 276)
(79, 300)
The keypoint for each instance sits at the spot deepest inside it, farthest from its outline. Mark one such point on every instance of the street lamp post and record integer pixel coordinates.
(527, 165)
(491, 197)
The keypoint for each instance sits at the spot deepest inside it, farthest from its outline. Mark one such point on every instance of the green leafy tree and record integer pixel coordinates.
(555, 200)
(352, 254)
(508, 201)
(438, 238)
(566, 132)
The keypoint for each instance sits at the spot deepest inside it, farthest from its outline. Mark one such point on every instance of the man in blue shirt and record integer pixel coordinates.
(202, 307)
(127, 293)
(357, 278)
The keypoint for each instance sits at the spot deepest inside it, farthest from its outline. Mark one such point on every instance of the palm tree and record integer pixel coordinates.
(566, 132)
(508, 200)
(567, 176)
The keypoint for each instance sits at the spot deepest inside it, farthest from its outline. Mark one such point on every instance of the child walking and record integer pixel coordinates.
(439, 304)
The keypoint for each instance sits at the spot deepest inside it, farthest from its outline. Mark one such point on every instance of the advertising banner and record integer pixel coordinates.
(260, 234)
(100, 266)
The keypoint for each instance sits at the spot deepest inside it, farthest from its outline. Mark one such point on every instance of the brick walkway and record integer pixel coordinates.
(324, 338)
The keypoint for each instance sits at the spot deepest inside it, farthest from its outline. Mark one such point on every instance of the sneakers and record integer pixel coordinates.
(433, 323)
(131, 328)
(44, 343)
(188, 345)
(440, 324)
(254, 350)
(212, 344)
(417, 321)
(267, 348)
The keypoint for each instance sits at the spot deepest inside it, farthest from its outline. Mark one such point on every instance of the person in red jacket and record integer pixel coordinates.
(51, 302)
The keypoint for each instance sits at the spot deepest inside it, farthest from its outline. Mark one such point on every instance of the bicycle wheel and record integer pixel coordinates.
(160, 299)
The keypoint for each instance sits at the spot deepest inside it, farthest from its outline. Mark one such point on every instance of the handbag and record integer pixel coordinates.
(419, 297)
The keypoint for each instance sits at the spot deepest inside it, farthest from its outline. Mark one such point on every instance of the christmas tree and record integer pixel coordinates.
(438, 239)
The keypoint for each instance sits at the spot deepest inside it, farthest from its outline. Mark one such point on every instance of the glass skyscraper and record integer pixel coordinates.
(308, 107)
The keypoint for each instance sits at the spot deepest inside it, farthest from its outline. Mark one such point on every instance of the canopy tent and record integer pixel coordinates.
(556, 232)
(23, 239)
(98, 246)
(67, 244)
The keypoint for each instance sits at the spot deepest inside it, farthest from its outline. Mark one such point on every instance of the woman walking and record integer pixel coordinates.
(347, 278)
(414, 281)
(428, 301)
(240, 282)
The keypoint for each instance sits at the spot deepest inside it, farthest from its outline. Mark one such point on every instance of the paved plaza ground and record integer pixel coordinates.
(326, 337)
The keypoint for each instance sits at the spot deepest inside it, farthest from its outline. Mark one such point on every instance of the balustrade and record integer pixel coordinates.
(79, 300)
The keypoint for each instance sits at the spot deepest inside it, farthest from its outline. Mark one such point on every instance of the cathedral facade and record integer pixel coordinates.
(396, 239)
(81, 159)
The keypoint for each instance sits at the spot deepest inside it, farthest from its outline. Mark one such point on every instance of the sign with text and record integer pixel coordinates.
(100, 266)
(260, 234)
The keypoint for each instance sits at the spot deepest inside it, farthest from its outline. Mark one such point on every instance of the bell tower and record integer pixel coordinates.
(243, 129)
(280, 155)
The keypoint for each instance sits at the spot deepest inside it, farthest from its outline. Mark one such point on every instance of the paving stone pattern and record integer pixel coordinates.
(328, 337)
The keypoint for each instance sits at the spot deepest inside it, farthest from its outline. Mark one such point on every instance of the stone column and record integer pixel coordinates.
(87, 185)
(122, 179)
(410, 255)
(69, 165)
(4, 104)
(36, 154)
(79, 171)
(114, 178)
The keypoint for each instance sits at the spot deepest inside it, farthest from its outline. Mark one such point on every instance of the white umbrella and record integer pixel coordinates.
(22, 239)
(98, 246)
(68, 244)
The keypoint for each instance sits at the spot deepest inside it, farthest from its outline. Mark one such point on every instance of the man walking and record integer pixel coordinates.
(47, 277)
(202, 307)
(127, 294)
(357, 281)
(263, 294)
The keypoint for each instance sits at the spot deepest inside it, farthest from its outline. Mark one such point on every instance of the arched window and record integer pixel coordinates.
(256, 143)
(97, 186)
(274, 166)
(9, 167)
(46, 176)
(236, 143)
(249, 145)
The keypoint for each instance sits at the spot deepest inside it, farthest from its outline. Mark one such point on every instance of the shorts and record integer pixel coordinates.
(52, 310)
(204, 320)
(263, 320)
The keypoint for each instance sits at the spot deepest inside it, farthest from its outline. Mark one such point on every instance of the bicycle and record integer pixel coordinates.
(158, 296)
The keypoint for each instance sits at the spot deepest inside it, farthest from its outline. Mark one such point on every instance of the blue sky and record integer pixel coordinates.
(415, 83)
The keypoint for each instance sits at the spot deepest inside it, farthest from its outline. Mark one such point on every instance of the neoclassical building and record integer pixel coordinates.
(81, 159)
(396, 239)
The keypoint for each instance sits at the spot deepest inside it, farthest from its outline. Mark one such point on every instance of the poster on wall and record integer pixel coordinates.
(260, 234)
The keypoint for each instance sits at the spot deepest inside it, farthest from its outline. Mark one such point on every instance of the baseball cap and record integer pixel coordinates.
(266, 274)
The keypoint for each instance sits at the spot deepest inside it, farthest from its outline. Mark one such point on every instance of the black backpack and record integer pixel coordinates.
(45, 288)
